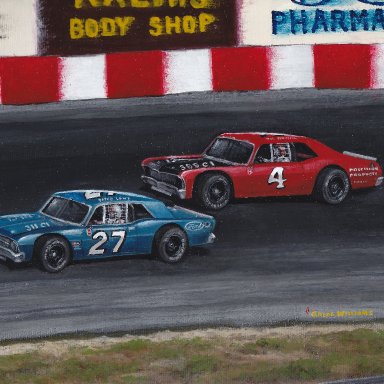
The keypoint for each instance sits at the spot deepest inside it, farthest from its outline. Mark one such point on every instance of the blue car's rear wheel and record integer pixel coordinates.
(54, 254)
(171, 244)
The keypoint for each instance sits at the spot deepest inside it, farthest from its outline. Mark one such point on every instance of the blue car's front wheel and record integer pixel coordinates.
(53, 253)
(171, 244)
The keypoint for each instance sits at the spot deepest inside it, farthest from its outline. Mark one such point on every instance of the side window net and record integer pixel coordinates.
(281, 153)
(110, 214)
(116, 214)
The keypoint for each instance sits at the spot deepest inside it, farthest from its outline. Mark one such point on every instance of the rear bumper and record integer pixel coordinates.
(8, 254)
(166, 189)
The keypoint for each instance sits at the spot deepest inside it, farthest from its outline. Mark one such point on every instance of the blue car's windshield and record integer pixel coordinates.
(66, 210)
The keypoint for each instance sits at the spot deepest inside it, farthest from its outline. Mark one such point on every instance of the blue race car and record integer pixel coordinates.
(83, 225)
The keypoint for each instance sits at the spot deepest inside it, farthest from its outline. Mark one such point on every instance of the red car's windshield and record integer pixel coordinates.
(229, 150)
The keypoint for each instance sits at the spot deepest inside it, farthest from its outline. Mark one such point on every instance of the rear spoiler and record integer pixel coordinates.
(360, 156)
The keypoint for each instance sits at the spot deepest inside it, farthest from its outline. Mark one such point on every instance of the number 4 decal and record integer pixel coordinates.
(277, 177)
(97, 250)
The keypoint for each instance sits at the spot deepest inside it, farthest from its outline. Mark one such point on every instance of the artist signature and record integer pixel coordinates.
(339, 313)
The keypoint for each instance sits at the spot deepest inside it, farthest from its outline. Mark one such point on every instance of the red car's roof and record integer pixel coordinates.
(263, 137)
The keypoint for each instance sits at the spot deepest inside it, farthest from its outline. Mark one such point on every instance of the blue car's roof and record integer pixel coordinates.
(95, 197)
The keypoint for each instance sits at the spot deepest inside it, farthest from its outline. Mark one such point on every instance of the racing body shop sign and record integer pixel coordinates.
(75, 27)
(275, 22)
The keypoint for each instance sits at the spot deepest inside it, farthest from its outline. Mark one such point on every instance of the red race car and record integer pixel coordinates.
(241, 165)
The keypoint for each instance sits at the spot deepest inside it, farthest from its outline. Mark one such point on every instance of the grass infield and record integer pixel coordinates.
(212, 356)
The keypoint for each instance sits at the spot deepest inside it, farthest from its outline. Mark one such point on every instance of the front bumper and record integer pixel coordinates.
(379, 181)
(6, 253)
(211, 239)
(166, 189)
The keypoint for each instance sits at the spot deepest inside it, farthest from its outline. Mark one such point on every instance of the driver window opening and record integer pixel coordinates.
(263, 154)
(110, 214)
(97, 217)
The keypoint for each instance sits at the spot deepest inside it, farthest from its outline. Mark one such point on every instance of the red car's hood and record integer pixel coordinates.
(177, 165)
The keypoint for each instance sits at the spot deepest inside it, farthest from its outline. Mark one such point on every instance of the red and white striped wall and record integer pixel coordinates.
(26, 80)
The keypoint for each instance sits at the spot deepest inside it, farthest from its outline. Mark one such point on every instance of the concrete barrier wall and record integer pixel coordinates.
(154, 73)
(271, 52)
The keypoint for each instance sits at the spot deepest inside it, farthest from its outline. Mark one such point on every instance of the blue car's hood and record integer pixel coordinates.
(12, 225)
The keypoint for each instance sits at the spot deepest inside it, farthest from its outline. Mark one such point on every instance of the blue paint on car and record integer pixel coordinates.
(100, 224)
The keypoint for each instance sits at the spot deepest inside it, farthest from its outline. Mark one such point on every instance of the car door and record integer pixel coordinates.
(144, 225)
(275, 171)
(109, 232)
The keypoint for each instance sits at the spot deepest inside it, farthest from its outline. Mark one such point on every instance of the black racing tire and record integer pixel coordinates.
(53, 254)
(213, 191)
(171, 244)
(332, 186)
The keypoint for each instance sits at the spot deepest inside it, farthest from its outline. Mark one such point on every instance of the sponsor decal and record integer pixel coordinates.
(15, 218)
(194, 226)
(32, 227)
(363, 172)
(74, 27)
(189, 166)
(104, 196)
(76, 244)
(89, 232)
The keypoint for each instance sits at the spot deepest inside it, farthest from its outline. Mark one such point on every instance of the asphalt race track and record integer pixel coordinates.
(274, 257)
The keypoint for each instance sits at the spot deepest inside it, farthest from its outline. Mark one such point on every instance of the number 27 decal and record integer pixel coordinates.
(277, 176)
(103, 238)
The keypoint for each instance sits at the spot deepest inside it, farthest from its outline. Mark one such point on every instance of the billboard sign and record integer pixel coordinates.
(75, 27)
(279, 22)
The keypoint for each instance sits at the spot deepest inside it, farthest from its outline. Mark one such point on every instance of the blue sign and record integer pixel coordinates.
(319, 16)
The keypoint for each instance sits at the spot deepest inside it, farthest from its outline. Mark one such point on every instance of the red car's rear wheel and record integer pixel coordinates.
(332, 186)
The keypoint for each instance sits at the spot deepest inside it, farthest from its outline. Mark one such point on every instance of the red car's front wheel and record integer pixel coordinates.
(213, 191)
